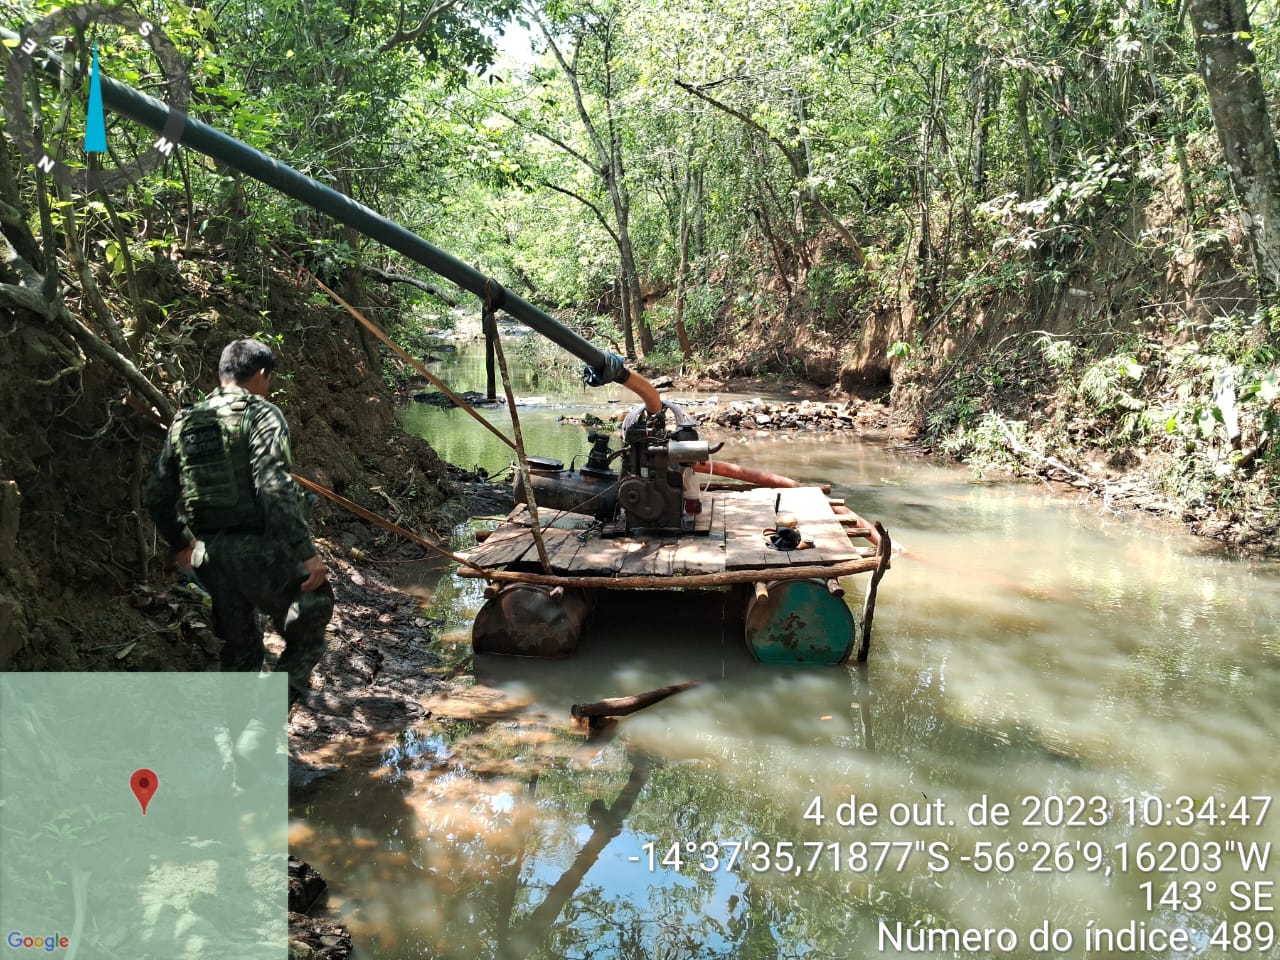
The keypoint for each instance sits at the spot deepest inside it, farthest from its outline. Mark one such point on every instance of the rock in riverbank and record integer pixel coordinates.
(814, 415)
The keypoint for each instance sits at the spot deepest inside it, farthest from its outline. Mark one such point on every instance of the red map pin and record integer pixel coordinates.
(143, 783)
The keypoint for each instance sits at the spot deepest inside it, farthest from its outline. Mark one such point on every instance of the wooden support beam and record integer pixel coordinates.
(869, 606)
(795, 572)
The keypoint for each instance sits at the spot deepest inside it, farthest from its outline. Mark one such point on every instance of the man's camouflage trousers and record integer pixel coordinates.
(244, 573)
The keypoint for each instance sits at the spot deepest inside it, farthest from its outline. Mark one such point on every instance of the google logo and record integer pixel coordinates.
(55, 942)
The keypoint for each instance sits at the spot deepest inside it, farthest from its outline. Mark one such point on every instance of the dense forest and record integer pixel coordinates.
(1046, 233)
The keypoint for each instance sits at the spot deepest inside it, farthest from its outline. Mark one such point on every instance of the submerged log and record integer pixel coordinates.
(621, 706)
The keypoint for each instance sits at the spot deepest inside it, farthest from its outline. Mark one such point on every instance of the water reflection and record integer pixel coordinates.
(1027, 648)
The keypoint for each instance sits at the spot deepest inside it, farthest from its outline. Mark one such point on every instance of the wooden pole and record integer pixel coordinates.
(490, 324)
(869, 607)
(527, 480)
(473, 569)
(692, 581)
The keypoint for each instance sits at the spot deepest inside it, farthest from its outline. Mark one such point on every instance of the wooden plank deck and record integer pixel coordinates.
(734, 522)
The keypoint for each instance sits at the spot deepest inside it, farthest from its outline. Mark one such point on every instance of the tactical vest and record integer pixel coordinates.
(211, 441)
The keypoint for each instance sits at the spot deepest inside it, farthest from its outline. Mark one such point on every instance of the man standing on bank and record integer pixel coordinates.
(221, 494)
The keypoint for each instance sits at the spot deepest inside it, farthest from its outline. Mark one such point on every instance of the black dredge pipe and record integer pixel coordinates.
(602, 367)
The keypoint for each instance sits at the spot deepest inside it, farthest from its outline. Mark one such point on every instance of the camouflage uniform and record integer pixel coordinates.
(223, 478)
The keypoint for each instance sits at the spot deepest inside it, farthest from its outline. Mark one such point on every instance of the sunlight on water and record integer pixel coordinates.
(1113, 683)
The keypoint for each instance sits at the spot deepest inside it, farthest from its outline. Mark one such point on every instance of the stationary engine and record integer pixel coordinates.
(654, 488)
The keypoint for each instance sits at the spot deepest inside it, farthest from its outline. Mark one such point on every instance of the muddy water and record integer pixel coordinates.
(1064, 745)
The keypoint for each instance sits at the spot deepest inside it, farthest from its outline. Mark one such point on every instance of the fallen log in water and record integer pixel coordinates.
(621, 706)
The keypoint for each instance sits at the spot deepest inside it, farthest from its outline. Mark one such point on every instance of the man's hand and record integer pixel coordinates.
(182, 559)
(317, 573)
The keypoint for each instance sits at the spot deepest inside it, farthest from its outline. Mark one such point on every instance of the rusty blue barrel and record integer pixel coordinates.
(531, 620)
(799, 621)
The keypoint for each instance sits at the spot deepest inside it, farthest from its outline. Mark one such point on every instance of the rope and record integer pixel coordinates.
(525, 476)
(402, 354)
(388, 525)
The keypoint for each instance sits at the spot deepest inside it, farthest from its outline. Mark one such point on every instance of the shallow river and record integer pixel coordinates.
(1064, 744)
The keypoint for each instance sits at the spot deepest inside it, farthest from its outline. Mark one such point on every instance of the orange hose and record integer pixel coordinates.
(645, 390)
(723, 468)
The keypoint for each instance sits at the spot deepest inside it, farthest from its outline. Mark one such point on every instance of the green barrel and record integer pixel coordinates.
(529, 620)
(800, 621)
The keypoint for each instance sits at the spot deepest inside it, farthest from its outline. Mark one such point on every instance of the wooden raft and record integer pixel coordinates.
(728, 537)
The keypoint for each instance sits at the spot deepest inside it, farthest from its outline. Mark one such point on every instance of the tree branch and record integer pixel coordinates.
(586, 203)
(738, 114)
(797, 167)
(555, 141)
(570, 73)
(389, 278)
(402, 36)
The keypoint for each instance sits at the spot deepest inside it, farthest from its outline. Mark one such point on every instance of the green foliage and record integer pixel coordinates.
(985, 445)
(1106, 384)
(990, 148)
(702, 307)
(547, 365)
(955, 415)
(833, 290)
(1059, 354)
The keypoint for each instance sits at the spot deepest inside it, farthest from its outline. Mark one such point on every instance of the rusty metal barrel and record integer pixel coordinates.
(530, 620)
(799, 621)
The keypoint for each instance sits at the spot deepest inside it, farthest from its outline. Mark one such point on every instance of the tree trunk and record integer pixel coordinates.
(779, 258)
(682, 272)
(984, 91)
(624, 312)
(926, 269)
(615, 178)
(610, 169)
(1239, 109)
(1030, 178)
(633, 303)
(798, 171)
(802, 169)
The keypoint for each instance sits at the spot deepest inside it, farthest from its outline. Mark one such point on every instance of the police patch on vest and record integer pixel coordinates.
(201, 443)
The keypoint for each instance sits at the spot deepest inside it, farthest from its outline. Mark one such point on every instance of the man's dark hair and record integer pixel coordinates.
(241, 359)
